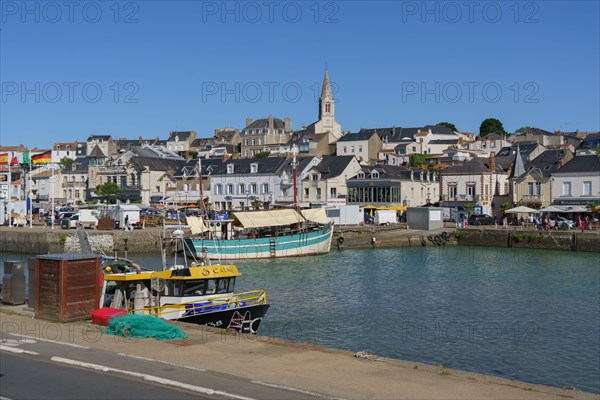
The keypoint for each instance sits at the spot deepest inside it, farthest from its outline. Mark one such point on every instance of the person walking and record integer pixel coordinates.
(126, 227)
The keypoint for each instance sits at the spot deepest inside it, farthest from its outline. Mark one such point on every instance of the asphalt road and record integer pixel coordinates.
(27, 377)
(37, 368)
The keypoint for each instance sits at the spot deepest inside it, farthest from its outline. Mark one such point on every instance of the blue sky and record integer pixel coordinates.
(150, 67)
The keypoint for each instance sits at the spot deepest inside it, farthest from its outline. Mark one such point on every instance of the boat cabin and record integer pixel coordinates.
(145, 291)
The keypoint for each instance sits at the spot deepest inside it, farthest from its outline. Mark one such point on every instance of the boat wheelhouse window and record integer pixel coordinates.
(194, 288)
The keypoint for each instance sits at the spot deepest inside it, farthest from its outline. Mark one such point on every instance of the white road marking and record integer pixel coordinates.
(160, 361)
(150, 378)
(4, 398)
(18, 351)
(292, 389)
(36, 339)
(10, 342)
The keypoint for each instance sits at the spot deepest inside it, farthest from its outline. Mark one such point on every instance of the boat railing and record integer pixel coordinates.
(206, 305)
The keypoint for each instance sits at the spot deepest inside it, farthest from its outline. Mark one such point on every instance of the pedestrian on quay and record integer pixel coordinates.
(126, 223)
(373, 240)
(505, 223)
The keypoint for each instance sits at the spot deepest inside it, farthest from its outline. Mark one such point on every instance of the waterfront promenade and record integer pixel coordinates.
(42, 239)
(301, 368)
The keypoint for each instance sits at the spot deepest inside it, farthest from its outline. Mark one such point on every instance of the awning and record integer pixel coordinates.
(196, 224)
(259, 219)
(317, 215)
(522, 209)
(397, 208)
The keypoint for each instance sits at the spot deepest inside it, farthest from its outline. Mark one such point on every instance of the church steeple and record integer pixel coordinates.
(326, 103)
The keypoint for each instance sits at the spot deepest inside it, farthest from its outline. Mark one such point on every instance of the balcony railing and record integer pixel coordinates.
(461, 197)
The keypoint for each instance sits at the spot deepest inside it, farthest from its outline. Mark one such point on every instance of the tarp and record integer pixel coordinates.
(259, 219)
(317, 215)
(196, 224)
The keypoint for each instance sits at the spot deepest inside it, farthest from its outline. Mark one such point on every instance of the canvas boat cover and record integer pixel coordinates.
(197, 225)
(317, 215)
(260, 219)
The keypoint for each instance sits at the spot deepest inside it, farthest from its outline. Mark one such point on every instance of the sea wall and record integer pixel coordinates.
(530, 239)
(46, 241)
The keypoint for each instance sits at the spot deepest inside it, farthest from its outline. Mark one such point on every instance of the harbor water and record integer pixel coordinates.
(527, 315)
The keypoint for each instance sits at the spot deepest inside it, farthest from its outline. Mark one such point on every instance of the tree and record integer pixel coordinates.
(66, 161)
(262, 154)
(109, 190)
(522, 130)
(448, 125)
(491, 125)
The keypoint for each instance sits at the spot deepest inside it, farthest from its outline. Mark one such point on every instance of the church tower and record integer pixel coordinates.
(326, 102)
(326, 123)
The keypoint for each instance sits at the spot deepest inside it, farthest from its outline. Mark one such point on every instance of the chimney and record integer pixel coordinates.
(492, 162)
(139, 140)
(248, 121)
(288, 124)
(271, 123)
(303, 126)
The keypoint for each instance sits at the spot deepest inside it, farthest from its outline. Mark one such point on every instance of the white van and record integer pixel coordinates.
(385, 217)
(87, 218)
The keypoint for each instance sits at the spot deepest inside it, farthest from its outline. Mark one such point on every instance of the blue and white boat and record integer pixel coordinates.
(261, 234)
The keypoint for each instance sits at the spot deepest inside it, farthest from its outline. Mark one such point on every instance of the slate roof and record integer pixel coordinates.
(391, 172)
(476, 165)
(579, 164)
(332, 166)
(190, 167)
(268, 165)
(96, 152)
(225, 135)
(524, 148)
(156, 164)
(99, 137)
(397, 133)
(183, 135)
(264, 123)
(547, 162)
(448, 141)
(361, 135)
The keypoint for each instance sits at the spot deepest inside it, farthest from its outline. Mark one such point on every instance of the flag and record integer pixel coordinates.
(22, 158)
(3, 158)
(42, 158)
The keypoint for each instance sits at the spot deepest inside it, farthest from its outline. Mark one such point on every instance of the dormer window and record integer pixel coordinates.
(230, 168)
(253, 168)
(360, 175)
(375, 174)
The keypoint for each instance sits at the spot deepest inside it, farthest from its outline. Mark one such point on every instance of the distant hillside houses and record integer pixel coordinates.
(252, 167)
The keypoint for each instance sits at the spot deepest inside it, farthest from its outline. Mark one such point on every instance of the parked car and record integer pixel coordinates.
(564, 223)
(480, 219)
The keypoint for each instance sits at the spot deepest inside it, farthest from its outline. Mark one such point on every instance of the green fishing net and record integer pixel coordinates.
(143, 326)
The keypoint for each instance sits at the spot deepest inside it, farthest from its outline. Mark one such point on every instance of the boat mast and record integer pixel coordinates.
(201, 189)
(294, 151)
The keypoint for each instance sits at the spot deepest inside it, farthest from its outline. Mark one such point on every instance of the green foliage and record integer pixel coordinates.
(505, 206)
(108, 191)
(491, 125)
(262, 154)
(448, 125)
(417, 160)
(66, 161)
(192, 155)
(522, 130)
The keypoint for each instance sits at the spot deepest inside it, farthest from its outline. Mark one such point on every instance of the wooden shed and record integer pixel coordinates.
(67, 286)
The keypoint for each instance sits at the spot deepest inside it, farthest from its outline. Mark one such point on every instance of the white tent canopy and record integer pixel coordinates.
(522, 209)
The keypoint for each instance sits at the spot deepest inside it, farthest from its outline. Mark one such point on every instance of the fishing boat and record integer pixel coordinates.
(261, 234)
(200, 293)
